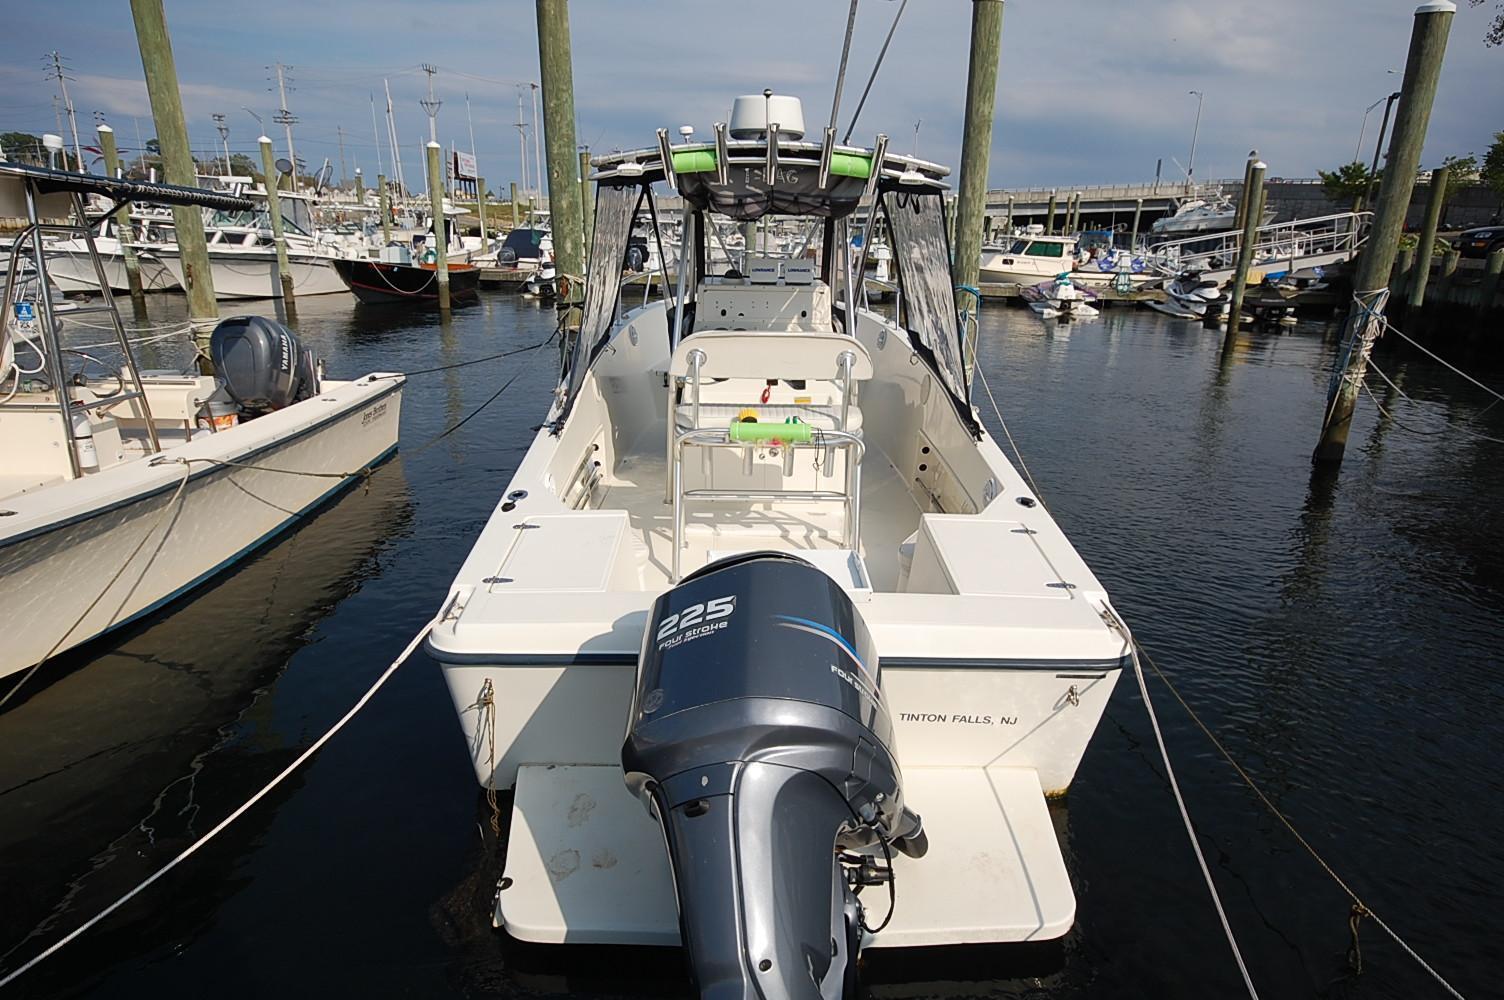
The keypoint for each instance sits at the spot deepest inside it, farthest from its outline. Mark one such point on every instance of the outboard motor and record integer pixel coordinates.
(261, 363)
(760, 742)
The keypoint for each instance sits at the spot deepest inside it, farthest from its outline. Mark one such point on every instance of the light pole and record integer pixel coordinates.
(224, 137)
(1190, 168)
(1358, 149)
(1373, 171)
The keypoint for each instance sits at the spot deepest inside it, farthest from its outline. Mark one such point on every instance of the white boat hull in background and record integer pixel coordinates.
(69, 268)
(252, 274)
(63, 543)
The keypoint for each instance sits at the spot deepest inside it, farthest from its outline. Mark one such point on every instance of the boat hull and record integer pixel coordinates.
(378, 283)
(252, 274)
(70, 269)
(63, 545)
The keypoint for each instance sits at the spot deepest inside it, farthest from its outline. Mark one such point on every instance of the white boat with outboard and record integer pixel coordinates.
(777, 653)
(121, 489)
(1213, 212)
(1028, 259)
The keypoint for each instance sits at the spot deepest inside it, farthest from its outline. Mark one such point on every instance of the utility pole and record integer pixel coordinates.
(1428, 46)
(1377, 146)
(521, 143)
(538, 132)
(1427, 245)
(339, 130)
(287, 120)
(274, 209)
(177, 163)
(1252, 191)
(224, 137)
(440, 244)
(62, 82)
(431, 104)
(558, 115)
(123, 230)
(976, 144)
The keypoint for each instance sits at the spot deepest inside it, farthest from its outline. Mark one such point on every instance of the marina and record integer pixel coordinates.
(690, 576)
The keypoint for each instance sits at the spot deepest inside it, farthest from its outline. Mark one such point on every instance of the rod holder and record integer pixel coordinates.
(722, 155)
(668, 159)
(827, 150)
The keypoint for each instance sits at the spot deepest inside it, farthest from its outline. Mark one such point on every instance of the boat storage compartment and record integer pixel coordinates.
(965, 554)
(586, 864)
(583, 551)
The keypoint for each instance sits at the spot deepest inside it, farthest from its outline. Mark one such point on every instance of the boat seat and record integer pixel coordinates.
(799, 373)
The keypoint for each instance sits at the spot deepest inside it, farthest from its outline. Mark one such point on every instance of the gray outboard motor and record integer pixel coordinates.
(759, 740)
(261, 363)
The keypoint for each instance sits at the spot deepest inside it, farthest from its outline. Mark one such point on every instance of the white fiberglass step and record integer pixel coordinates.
(587, 864)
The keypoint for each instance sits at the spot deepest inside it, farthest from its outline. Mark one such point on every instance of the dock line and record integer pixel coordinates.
(220, 827)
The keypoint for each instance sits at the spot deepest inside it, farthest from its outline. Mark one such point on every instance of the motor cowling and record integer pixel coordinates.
(759, 739)
(262, 364)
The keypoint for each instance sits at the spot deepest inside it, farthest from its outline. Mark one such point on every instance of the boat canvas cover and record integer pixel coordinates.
(917, 221)
(615, 207)
(746, 196)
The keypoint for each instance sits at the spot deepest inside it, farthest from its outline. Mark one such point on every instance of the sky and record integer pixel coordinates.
(1089, 91)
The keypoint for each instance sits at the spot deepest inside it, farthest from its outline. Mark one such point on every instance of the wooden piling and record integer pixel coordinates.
(1138, 210)
(1427, 244)
(1255, 177)
(177, 165)
(1402, 275)
(1428, 44)
(587, 201)
(1242, 212)
(1488, 288)
(1010, 216)
(480, 209)
(274, 209)
(516, 209)
(360, 188)
(557, 71)
(1049, 218)
(1448, 274)
(125, 232)
(440, 243)
(384, 195)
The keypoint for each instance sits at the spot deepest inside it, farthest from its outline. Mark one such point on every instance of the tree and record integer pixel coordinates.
(23, 147)
(1495, 34)
(1348, 182)
(1461, 170)
(1492, 172)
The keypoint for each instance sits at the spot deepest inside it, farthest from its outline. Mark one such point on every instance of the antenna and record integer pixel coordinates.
(62, 78)
(224, 137)
(287, 120)
(537, 144)
(376, 135)
(521, 140)
(431, 104)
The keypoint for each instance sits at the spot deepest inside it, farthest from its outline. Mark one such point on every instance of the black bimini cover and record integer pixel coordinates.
(746, 196)
(916, 218)
(48, 181)
(615, 207)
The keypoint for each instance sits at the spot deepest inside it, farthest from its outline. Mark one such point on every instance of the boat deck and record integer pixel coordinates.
(636, 485)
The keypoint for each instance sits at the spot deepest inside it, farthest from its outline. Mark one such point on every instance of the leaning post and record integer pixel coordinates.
(124, 231)
(177, 166)
(1245, 251)
(274, 209)
(440, 242)
(587, 203)
(1427, 245)
(1428, 45)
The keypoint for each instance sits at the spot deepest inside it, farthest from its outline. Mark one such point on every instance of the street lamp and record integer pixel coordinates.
(1190, 169)
(1358, 149)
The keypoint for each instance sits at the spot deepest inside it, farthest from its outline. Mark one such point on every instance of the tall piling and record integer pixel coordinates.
(1255, 182)
(440, 243)
(1049, 216)
(1242, 212)
(587, 203)
(1488, 288)
(1428, 44)
(1138, 211)
(177, 164)
(557, 70)
(384, 196)
(360, 188)
(274, 209)
(516, 209)
(1010, 216)
(1427, 245)
(480, 208)
(124, 231)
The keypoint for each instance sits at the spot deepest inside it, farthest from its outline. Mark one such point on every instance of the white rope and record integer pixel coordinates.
(193, 848)
(1185, 816)
(1009, 434)
(1440, 360)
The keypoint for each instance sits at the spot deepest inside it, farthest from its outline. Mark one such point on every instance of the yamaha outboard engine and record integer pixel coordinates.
(261, 363)
(760, 741)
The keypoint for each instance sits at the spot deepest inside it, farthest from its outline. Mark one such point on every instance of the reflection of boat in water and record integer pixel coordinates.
(115, 753)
